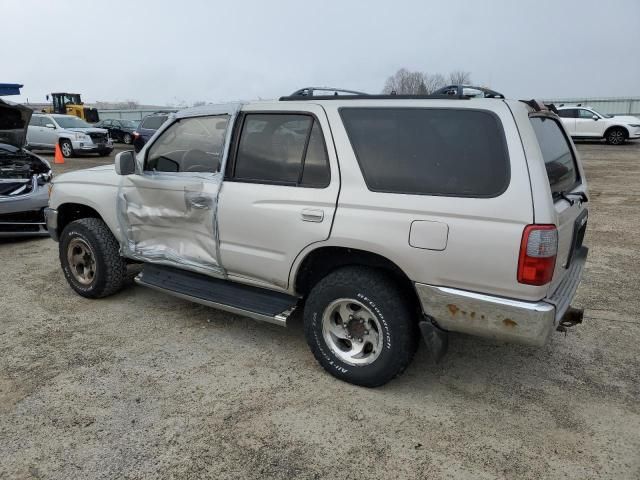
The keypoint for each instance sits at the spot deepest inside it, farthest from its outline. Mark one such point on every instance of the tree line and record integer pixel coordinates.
(406, 82)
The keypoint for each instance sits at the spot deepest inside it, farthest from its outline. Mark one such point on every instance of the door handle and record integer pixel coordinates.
(199, 203)
(312, 215)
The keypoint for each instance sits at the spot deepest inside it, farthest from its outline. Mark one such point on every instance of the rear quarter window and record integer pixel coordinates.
(428, 151)
(557, 153)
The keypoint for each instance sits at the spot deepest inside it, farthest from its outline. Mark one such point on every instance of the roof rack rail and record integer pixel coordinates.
(310, 91)
(539, 106)
(459, 91)
(451, 92)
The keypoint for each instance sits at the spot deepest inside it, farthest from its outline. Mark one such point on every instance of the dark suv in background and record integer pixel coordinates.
(119, 130)
(147, 128)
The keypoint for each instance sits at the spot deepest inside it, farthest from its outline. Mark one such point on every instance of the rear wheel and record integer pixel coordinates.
(66, 148)
(360, 327)
(90, 258)
(616, 136)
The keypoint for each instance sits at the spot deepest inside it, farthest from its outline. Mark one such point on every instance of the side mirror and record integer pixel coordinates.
(126, 163)
(50, 125)
(595, 117)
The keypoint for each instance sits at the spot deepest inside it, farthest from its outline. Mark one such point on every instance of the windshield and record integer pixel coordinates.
(71, 122)
(604, 115)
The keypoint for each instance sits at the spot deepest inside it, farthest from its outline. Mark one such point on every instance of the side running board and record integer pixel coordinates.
(257, 303)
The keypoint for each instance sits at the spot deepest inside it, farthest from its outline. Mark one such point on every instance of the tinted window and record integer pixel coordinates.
(429, 151)
(557, 154)
(568, 113)
(282, 148)
(36, 122)
(189, 145)
(153, 122)
(316, 164)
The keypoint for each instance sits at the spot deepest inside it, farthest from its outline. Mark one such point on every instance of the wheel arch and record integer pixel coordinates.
(617, 126)
(68, 212)
(318, 263)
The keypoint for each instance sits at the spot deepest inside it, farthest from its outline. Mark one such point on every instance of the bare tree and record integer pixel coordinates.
(405, 82)
(459, 77)
(433, 82)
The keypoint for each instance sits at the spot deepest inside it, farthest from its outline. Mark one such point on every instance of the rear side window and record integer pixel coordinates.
(423, 151)
(154, 122)
(284, 149)
(36, 121)
(558, 156)
(568, 113)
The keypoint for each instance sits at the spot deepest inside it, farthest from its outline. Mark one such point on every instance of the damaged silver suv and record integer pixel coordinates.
(385, 218)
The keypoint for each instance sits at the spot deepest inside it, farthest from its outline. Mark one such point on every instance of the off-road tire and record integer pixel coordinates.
(66, 146)
(616, 136)
(111, 268)
(380, 294)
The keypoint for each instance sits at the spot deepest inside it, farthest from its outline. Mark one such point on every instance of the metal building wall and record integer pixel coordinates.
(129, 114)
(610, 105)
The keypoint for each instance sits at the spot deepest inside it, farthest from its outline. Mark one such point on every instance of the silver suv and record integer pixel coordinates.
(382, 217)
(71, 133)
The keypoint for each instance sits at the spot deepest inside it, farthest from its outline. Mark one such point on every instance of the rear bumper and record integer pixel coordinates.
(502, 318)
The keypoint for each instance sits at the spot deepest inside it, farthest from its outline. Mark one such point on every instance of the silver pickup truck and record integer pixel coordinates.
(385, 218)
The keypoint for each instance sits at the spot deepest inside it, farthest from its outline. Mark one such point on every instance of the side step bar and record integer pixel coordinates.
(257, 303)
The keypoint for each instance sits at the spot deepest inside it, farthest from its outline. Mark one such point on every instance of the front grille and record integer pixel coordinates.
(98, 137)
(33, 216)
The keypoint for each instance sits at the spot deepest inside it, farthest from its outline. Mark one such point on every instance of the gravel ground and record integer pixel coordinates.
(143, 385)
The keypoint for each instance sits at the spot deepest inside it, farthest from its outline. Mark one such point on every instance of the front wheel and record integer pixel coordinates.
(360, 327)
(127, 138)
(616, 136)
(90, 258)
(66, 148)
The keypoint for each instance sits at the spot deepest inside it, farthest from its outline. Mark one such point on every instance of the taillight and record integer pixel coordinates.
(538, 251)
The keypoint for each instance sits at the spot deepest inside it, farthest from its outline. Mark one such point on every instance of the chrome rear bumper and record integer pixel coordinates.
(502, 318)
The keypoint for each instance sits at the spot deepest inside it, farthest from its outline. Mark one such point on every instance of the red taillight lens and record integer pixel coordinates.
(538, 252)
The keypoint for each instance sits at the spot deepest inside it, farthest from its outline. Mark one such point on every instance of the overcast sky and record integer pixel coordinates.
(167, 52)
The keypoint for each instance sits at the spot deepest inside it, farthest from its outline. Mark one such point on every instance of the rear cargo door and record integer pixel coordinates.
(564, 179)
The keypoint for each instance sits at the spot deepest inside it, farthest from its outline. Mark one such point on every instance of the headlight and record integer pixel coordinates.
(81, 136)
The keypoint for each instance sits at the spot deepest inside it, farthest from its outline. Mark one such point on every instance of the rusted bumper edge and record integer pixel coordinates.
(51, 218)
(530, 323)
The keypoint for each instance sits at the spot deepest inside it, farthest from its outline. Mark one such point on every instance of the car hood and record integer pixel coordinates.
(14, 120)
(627, 119)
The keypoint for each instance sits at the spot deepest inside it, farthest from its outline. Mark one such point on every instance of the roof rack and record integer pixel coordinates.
(310, 92)
(459, 91)
(451, 92)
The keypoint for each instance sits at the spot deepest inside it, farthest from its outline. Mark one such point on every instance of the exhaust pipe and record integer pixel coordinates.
(572, 317)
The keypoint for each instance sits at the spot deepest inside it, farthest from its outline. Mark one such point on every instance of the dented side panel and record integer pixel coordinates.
(170, 219)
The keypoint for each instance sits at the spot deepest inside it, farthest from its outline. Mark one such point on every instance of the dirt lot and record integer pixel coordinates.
(143, 385)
